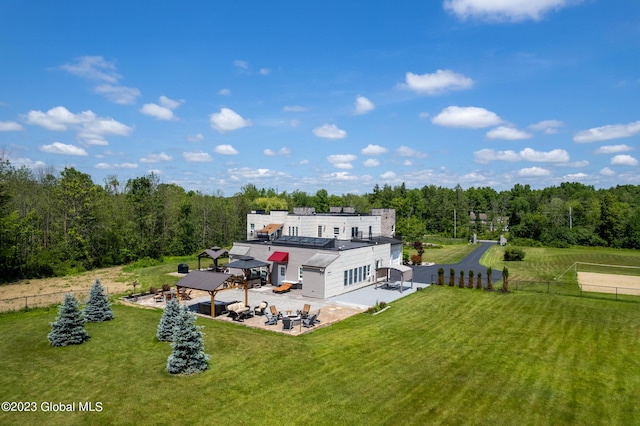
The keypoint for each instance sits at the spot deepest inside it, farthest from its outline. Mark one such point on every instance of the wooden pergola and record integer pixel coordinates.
(214, 253)
(213, 283)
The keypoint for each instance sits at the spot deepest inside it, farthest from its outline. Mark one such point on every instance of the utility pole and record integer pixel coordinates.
(454, 223)
(570, 219)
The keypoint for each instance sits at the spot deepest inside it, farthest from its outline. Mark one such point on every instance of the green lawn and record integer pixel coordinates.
(442, 355)
(444, 254)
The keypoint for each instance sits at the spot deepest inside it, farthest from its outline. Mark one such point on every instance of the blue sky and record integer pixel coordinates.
(325, 94)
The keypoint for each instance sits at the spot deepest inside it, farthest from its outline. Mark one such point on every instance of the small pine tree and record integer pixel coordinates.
(188, 355)
(440, 276)
(479, 282)
(470, 281)
(98, 308)
(489, 284)
(68, 328)
(452, 277)
(461, 280)
(505, 279)
(168, 321)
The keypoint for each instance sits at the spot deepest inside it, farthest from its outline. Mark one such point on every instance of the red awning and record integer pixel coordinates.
(279, 257)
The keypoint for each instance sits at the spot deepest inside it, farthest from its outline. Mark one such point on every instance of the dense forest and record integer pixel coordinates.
(55, 224)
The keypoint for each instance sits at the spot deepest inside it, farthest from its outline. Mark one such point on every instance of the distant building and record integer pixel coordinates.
(482, 223)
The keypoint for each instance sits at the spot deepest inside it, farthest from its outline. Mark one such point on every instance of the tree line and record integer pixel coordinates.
(58, 223)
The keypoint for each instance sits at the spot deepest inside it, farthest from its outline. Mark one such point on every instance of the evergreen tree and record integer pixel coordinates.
(452, 277)
(440, 276)
(68, 328)
(98, 308)
(188, 355)
(168, 321)
(470, 281)
(461, 280)
(479, 283)
(489, 278)
(505, 279)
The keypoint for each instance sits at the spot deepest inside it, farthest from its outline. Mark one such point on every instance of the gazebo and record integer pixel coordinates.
(214, 253)
(213, 283)
(406, 274)
(246, 264)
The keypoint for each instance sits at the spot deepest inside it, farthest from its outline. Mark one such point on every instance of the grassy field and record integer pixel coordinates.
(442, 355)
(545, 264)
(444, 254)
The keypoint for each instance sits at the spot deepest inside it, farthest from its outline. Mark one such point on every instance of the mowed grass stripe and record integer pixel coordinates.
(442, 355)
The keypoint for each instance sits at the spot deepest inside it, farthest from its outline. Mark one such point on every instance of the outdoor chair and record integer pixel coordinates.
(317, 315)
(287, 323)
(157, 294)
(304, 313)
(239, 311)
(271, 319)
(184, 295)
(283, 288)
(310, 321)
(259, 310)
(275, 311)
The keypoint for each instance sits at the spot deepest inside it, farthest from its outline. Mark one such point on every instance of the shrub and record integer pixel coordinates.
(470, 282)
(440, 276)
(188, 355)
(513, 254)
(68, 328)
(97, 308)
(479, 283)
(452, 277)
(505, 279)
(489, 278)
(461, 280)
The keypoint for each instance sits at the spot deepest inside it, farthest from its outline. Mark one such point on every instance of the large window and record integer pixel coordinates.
(350, 276)
(336, 232)
(346, 278)
(319, 231)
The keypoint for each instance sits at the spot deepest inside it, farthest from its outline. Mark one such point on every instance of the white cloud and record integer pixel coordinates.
(342, 161)
(27, 162)
(329, 131)
(196, 157)
(99, 69)
(553, 156)
(371, 162)
(575, 177)
(424, 115)
(549, 127)
(169, 103)
(195, 138)
(157, 111)
(405, 151)
(225, 150)
(126, 166)
(294, 123)
(154, 171)
(533, 172)
(604, 133)
(119, 94)
(407, 163)
(468, 117)
(241, 64)
(340, 176)
(504, 10)
(437, 83)
(373, 150)
(577, 164)
(61, 148)
(303, 162)
(227, 120)
(294, 108)
(9, 126)
(90, 128)
(103, 166)
(363, 105)
(249, 173)
(486, 155)
(507, 133)
(155, 158)
(93, 68)
(224, 92)
(264, 71)
(388, 175)
(281, 151)
(607, 172)
(624, 160)
(613, 149)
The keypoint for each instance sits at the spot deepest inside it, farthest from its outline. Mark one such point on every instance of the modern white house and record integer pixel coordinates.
(341, 223)
(322, 267)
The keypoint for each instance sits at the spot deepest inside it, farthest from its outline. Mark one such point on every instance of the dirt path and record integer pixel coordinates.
(45, 291)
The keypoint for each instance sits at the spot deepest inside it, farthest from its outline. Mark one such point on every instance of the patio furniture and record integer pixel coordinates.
(259, 310)
(287, 323)
(310, 321)
(275, 311)
(239, 311)
(304, 313)
(317, 315)
(184, 295)
(283, 288)
(271, 319)
(157, 294)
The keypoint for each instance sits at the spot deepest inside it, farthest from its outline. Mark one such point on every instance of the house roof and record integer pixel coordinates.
(279, 257)
(203, 280)
(238, 250)
(320, 260)
(270, 228)
(246, 262)
(213, 253)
